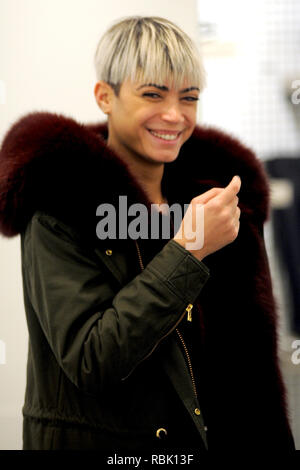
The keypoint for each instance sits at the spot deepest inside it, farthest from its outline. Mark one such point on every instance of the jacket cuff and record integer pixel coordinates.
(180, 271)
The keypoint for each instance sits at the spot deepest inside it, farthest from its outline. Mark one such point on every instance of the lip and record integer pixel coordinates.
(163, 141)
(166, 131)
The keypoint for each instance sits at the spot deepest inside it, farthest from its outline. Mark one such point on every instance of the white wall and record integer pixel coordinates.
(46, 63)
(248, 81)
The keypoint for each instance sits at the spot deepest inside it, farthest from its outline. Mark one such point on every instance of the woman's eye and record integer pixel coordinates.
(152, 95)
(156, 95)
(191, 98)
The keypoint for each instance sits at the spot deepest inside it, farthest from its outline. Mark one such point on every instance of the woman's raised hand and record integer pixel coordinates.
(220, 224)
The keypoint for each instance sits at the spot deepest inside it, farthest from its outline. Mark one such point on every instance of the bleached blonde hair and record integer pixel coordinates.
(149, 49)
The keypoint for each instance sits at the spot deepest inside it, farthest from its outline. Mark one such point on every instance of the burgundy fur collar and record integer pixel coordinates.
(53, 163)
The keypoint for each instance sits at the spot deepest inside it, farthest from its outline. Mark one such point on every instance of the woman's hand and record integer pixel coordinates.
(221, 219)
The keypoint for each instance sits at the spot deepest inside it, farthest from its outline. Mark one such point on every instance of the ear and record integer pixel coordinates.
(104, 95)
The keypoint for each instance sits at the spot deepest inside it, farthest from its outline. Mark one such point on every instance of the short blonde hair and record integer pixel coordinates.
(148, 48)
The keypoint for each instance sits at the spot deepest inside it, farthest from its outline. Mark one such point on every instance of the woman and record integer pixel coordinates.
(143, 344)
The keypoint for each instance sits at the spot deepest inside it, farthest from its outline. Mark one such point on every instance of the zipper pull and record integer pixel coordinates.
(189, 312)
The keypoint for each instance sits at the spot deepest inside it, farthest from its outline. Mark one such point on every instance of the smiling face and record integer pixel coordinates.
(148, 121)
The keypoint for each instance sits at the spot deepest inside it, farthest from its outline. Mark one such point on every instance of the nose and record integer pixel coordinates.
(172, 113)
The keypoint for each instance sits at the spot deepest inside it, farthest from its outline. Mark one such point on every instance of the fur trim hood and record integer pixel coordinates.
(52, 163)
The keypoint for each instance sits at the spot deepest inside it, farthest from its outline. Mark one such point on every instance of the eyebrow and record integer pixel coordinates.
(164, 88)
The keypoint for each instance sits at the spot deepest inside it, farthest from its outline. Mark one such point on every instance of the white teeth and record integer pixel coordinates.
(165, 136)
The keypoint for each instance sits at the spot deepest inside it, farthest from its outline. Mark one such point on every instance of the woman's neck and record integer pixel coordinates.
(149, 176)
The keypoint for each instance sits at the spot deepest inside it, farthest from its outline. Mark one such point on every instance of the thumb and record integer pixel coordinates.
(231, 189)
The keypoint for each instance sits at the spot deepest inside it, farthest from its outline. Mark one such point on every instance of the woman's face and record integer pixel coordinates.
(151, 122)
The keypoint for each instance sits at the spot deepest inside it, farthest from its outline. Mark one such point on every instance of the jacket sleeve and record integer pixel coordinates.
(98, 335)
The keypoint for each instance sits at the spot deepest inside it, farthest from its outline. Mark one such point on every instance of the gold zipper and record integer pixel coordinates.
(189, 361)
(189, 318)
(189, 312)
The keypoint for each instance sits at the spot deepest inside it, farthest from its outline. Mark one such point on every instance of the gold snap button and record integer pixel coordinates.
(161, 433)
(108, 252)
(197, 411)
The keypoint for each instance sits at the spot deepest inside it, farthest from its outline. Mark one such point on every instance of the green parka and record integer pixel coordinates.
(101, 353)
